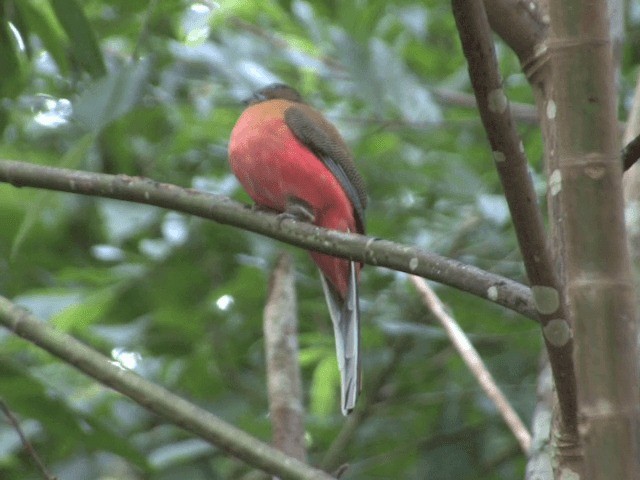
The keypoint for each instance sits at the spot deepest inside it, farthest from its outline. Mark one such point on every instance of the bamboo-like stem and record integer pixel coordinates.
(587, 210)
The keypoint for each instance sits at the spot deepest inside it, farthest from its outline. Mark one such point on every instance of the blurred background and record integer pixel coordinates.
(153, 89)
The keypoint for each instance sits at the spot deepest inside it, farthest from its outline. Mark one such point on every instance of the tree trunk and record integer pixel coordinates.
(587, 211)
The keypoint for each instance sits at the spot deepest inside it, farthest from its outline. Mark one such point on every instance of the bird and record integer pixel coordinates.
(290, 159)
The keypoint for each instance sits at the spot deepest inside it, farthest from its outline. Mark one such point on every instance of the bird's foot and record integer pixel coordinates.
(297, 209)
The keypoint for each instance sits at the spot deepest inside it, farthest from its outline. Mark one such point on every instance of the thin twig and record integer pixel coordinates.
(631, 137)
(472, 359)
(523, 112)
(25, 441)
(631, 153)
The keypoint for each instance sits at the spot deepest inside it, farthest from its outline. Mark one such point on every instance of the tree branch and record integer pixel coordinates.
(474, 362)
(523, 112)
(42, 469)
(512, 166)
(524, 26)
(155, 398)
(372, 251)
(631, 153)
(539, 461)
(282, 363)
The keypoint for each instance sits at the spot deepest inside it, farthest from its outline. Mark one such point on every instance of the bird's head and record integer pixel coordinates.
(273, 92)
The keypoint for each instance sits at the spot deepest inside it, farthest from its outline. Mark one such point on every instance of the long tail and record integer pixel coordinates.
(345, 315)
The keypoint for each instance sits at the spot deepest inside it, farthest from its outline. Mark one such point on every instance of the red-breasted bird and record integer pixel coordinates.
(290, 159)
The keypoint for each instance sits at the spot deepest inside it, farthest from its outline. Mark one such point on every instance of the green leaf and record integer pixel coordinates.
(30, 397)
(82, 39)
(73, 158)
(312, 355)
(86, 312)
(110, 97)
(42, 21)
(326, 377)
(11, 61)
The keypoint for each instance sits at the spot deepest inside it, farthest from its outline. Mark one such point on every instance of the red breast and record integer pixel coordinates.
(273, 166)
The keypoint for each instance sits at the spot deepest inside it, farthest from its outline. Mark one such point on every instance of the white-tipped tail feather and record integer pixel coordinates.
(345, 315)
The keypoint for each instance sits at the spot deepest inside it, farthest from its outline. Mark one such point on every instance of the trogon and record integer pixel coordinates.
(290, 159)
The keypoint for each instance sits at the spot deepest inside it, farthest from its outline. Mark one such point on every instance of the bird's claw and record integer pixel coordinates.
(297, 210)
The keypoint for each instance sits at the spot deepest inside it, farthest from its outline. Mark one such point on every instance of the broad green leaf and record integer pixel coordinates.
(85, 312)
(12, 60)
(325, 387)
(111, 96)
(45, 303)
(82, 38)
(42, 22)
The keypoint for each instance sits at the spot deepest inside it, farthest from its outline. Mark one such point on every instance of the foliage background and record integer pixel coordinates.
(153, 89)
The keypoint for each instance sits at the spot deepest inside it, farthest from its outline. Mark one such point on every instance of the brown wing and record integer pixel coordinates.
(322, 138)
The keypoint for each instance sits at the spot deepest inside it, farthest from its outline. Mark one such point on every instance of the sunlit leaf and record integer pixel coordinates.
(86, 311)
(325, 386)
